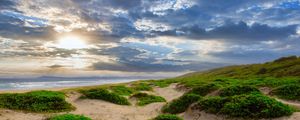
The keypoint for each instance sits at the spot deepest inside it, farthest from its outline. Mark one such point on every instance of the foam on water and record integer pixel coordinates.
(19, 85)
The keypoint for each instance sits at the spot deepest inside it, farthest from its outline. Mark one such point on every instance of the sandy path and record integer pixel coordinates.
(267, 90)
(169, 93)
(14, 115)
(101, 110)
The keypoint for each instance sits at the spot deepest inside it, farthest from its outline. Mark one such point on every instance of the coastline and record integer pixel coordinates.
(65, 88)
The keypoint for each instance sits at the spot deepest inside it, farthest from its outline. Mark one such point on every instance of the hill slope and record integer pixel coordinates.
(282, 68)
(244, 91)
(285, 66)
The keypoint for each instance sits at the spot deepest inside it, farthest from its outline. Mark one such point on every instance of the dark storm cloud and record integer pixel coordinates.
(235, 32)
(254, 32)
(10, 26)
(7, 5)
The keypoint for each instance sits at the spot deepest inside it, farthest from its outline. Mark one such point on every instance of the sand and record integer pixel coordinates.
(102, 110)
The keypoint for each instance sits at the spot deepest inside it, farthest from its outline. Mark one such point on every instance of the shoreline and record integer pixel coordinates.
(62, 88)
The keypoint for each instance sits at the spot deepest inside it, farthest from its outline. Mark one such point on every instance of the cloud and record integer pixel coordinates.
(56, 66)
(151, 35)
(254, 32)
(140, 66)
(7, 5)
(236, 32)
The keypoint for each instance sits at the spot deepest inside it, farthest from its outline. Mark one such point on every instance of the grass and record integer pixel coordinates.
(122, 90)
(204, 89)
(145, 99)
(161, 83)
(246, 106)
(290, 92)
(181, 104)
(167, 117)
(104, 94)
(36, 101)
(284, 69)
(238, 90)
(142, 86)
(239, 96)
(69, 117)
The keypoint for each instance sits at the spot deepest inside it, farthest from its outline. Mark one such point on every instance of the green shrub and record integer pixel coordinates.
(162, 83)
(142, 87)
(181, 104)
(122, 90)
(69, 117)
(144, 99)
(212, 104)
(238, 90)
(288, 58)
(291, 92)
(247, 106)
(105, 95)
(204, 89)
(36, 101)
(167, 117)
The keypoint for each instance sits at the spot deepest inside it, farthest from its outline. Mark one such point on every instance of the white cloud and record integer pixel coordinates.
(161, 7)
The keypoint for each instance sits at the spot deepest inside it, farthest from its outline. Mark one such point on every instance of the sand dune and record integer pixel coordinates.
(102, 110)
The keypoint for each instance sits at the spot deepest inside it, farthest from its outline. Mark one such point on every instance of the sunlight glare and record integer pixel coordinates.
(71, 42)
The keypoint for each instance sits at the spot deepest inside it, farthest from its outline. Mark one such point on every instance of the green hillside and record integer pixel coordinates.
(236, 91)
(287, 68)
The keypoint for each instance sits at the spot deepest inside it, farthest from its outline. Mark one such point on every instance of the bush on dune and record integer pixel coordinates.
(291, 92)
(142, 87)
(204, 89)
(211, 104)
(162, 83)
(105, 95)
(122, 90)
(69, 117)
(238, 90)
(167, 117)
(145, 99)
(181, 104)
(247, 106)
(36, 101)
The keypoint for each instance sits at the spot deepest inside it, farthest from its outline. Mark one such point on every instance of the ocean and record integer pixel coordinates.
(61, 82)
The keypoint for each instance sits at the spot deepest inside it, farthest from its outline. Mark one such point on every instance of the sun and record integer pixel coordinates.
(71, 42)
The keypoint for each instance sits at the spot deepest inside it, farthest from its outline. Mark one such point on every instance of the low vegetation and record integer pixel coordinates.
(142, 86)
(144, 98)
(122, 90)
(36, 101)
(279, 72)
(238, 90)
(181, 104)
(290, 92)
(104, 94)
(161, 83)
(236, 87)
(69, 117)
(247, 106)
(204, 89)
(167, 117)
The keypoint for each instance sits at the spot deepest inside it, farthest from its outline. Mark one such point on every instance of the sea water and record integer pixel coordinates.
(40, 83)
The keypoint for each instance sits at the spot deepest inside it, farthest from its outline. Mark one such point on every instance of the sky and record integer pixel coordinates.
(142, 37)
